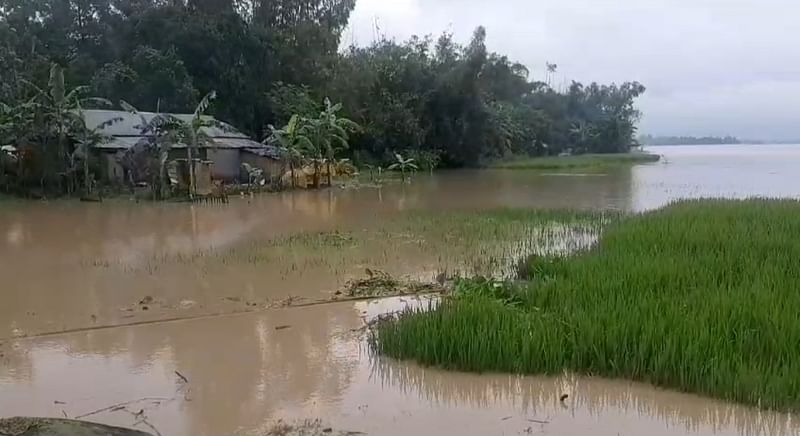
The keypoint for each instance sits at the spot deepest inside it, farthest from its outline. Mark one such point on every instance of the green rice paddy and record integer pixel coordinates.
(701, 296)
(583, 161)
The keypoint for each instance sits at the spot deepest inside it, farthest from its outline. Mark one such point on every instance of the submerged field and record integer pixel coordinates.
(424, 243)
(583, 161)
(701, 296)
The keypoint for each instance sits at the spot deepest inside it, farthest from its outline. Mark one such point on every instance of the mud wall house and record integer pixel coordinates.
(227, 149)
(268, 159)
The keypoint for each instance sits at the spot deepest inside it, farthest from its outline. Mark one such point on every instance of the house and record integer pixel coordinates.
(226, 151)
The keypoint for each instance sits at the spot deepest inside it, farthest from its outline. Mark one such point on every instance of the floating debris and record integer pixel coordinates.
(382, 284)
(306, 428)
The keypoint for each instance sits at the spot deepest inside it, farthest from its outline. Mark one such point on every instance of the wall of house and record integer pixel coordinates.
(112, 170)
(180, 153)
(226, 163)
(272, 168)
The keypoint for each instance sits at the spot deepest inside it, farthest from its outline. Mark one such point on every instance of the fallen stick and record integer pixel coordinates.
(185, 380)
(120, 406)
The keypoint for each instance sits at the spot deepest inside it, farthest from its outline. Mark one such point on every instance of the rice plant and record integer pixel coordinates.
(582, 161)
(701, 296)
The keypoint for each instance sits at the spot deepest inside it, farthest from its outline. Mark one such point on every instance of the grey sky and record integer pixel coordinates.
(711, 66)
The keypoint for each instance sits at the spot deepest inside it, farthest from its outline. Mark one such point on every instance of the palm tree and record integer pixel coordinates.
(293, 140)
(193, 134)
(404, 165)
(331, 134)
(551, 71)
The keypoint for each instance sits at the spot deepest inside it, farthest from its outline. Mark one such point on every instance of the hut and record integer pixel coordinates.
(227, 149)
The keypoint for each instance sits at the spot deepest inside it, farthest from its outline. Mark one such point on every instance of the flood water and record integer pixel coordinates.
(74, 267)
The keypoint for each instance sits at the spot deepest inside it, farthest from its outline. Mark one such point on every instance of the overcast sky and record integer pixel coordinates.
(712, 67)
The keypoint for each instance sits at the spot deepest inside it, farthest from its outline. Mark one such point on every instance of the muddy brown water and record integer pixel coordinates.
(68, 266)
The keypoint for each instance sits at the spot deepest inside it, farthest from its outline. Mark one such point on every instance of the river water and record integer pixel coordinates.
(187, 287)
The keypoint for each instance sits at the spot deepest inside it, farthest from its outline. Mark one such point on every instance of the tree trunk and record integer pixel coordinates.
(330, 179)
(162, 174)
(59, 164)
(3, 173)
(86, 183)
(316, 174)
(291, 171)
(191, 171)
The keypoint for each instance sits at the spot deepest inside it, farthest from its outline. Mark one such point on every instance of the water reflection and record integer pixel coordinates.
(66, 265)
(599, 399)
(246, 371)
(242, 370)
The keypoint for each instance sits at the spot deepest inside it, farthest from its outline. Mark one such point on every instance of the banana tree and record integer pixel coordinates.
(86, 139)
(293, 141)
(61, 109)
(583, 132)
(404, 165)
(16, 127)
(331, 134)
(158, 134)
(193, 134)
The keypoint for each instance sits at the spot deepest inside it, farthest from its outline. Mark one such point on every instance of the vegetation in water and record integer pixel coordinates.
(687, 140)
(423, 245)
(378, 283)
(585, 161)
(700, 296)
(306, 428)
(434, 100)
(406, 166)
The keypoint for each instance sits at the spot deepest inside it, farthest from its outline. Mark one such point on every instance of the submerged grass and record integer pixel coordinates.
(583, 161)
(701, 296)
(423, 244)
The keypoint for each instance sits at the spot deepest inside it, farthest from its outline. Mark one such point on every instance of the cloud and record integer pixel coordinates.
(693, 55)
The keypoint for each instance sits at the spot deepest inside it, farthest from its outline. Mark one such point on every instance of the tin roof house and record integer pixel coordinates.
(227, 149)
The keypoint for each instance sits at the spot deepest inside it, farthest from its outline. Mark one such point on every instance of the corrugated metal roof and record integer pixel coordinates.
(125, 134)
(126, 142)
(129, 123)
(269, 151)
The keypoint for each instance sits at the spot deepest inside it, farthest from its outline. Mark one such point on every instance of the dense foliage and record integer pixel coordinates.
(699, 296)
(455, 105)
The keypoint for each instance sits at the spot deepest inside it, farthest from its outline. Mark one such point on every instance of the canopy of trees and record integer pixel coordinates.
(267, 60)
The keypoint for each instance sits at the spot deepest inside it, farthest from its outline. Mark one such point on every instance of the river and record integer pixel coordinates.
(187, 289)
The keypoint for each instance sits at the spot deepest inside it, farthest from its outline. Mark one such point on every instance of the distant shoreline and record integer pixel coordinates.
(739, 143)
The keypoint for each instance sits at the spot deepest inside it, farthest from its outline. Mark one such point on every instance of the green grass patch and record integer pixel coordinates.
(702, 296)
(583, 161)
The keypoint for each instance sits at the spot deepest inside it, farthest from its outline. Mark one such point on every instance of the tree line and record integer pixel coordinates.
(433, 100)
(688, 140)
